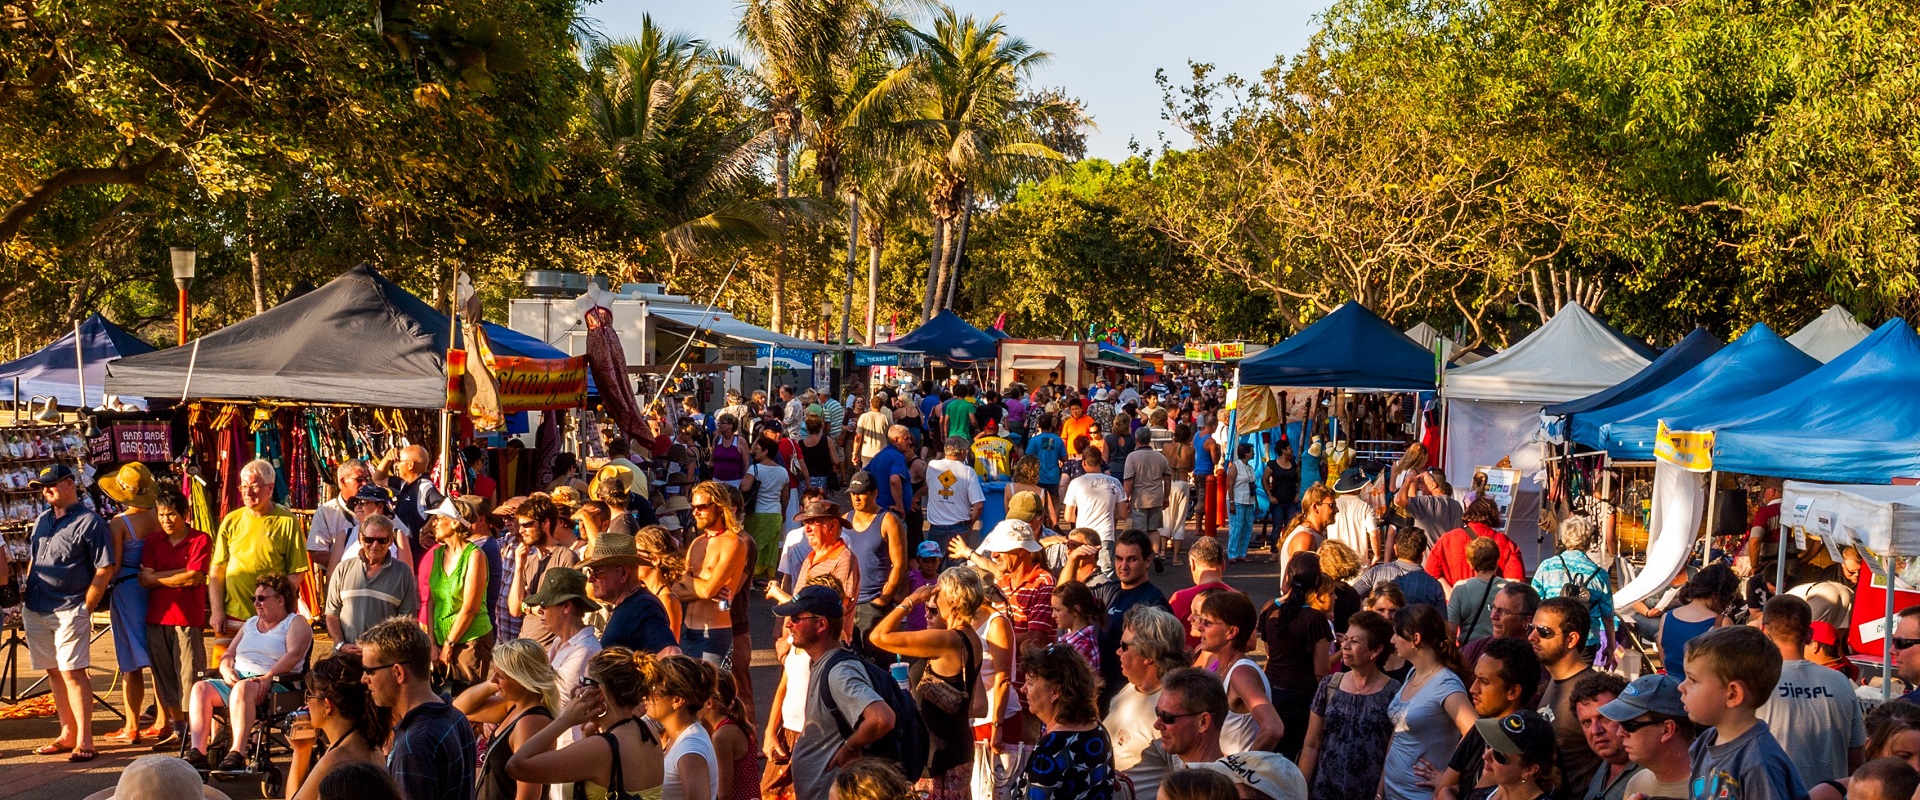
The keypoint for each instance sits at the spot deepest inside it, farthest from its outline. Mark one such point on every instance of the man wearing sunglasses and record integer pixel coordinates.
(1189, 713)
(1906, 650)
(370, 586)
(1559, 629)
(1656, 734)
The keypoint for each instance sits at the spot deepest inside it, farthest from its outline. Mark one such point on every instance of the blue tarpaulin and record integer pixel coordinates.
(1692, 350)
(55, 370)
(1850, 421)
(1756, 363)
(950, 337)
(1351, 348)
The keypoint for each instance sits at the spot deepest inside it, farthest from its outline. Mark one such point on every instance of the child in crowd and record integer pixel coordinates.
(1731, 672)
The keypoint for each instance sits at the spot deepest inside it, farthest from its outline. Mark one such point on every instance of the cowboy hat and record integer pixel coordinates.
(612, 548)
(131, 486)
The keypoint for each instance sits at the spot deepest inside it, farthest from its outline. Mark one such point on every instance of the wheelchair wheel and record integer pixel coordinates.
(273, 783)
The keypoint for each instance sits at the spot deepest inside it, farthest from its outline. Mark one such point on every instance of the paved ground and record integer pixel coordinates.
(24, 776)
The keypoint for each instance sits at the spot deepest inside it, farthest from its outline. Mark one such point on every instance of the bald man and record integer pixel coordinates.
(405, 471)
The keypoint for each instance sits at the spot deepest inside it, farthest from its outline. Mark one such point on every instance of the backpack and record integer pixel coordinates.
(907, 744)
(1576, 587)
(750, 499)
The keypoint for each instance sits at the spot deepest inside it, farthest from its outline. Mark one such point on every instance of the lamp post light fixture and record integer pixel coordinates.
(826, 321)
(183, 265)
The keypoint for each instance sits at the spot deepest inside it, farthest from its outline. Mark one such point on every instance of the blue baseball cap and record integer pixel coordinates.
(1648, 694)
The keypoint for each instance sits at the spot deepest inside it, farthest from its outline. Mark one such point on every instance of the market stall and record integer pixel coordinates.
(1683, 356)
(73, 362)
(1493, 407)
(949, 338)
(1883, 523)
(1757, 362)
(1829, 334)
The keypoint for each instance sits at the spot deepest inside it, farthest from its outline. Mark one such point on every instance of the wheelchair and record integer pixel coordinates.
(269, 738)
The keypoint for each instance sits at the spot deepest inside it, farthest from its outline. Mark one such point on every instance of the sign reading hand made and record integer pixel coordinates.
(1688, 450)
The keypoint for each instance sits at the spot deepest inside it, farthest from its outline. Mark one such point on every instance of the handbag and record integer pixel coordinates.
(935, 691)
(9, 594)
(994, 773)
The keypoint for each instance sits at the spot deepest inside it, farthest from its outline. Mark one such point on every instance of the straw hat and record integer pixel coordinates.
(131, 486)
(618, 477)
(612, 548)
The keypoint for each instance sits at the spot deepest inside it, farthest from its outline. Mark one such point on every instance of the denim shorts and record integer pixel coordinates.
(714, 645)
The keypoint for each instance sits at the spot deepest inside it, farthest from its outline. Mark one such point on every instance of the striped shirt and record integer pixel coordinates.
(362, 601)
(433, 754)
(836, 416)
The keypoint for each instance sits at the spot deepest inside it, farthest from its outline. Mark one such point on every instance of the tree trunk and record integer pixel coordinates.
(259, 276)
(959, 248)
(778, 270)
(873, 284)
(936, 269)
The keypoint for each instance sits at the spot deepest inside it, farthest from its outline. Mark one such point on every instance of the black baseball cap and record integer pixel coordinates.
(862, 483)
(1522, 733)
(817, 600)
(50, 475)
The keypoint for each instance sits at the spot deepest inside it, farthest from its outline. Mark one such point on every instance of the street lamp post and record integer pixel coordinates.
(183, 264)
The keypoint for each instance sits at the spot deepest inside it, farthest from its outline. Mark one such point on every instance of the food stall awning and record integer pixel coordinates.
(1036, 362)
(725, 324)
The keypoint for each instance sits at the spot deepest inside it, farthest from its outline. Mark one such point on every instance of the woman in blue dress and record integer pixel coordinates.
(133, 488)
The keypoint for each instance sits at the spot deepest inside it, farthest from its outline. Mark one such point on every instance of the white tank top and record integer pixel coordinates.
(990, 668)
(1239, 731)
(692, 740)
(793, 707)
(258, 652)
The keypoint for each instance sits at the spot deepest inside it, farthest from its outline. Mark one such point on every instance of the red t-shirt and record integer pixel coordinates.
(1767, 517)
(1182, 603)
(167, 606)
(1448, 558)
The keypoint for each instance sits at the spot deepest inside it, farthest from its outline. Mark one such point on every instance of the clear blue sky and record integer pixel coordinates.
(1104, 51)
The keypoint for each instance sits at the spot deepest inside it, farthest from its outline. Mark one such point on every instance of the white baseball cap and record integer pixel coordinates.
(1271, 774)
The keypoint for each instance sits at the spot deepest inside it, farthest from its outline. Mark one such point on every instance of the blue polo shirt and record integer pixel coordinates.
(66, 550)
(1051, 450)
(890, 461)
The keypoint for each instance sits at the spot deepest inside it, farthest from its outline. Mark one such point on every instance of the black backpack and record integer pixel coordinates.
(907, 744)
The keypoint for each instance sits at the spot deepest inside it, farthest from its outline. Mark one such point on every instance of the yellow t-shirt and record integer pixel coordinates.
(250, 544)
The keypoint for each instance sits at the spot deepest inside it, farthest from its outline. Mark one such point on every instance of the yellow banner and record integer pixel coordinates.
(1688, 450)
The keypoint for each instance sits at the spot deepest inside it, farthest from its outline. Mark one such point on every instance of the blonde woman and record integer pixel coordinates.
(948, 688)
(623, 756)
(660, 568)
(1309, 527)
(517, 700)
(716, 563)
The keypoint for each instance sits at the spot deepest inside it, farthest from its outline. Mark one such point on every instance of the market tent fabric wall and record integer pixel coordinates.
(1756, 363)
(55, 369)
(1829, 334)
(1689, 351)
(1493, 407)
(1351, 348)
(359, 340)
(950, 337)
(1849, 421)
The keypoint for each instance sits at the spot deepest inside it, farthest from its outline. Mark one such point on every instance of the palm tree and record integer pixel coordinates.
(819, 60)
(970, 130)
(679, 144)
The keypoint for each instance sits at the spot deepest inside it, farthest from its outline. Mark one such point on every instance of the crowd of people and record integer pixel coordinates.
(595, 637)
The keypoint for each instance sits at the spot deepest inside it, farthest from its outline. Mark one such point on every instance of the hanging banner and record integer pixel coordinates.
(869, 358)
(122, 442)
(1688, 450)
(518, 383)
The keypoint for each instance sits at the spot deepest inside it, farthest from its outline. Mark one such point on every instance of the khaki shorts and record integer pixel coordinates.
(59, 639)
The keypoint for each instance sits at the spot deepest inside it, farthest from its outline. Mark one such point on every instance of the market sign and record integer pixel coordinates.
(533, 384)
(1220, 351)
(737, 356)
(1688, 450)
(122, 442)
(871, 358)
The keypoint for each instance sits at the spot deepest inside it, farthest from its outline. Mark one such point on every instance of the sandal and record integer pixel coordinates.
(82, 753)
(52, 749)
(156, 732)
(122, 737)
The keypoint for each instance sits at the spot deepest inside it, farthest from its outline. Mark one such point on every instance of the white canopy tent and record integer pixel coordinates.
(1829, 334)
(1493, 406)
(1882, 521)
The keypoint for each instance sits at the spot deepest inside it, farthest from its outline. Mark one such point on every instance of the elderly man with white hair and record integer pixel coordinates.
(1570, 573)
(260, 536)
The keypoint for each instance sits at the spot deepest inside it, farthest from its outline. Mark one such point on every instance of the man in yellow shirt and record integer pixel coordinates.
(992, 454)
(260, 536)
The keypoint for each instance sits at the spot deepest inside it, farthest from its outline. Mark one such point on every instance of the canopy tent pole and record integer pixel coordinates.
(1885, 565)
(445, 452)
(1713, 504)
(1780, 566)
(80, 366)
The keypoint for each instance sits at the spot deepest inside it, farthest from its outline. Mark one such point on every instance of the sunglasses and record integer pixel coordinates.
(371, 670)
(1498, 757)
(1545, 632)
(1168, 719)
(700, 506)
(1900, 644)
(261, 598)
(1633, 725)
(375, 539)
(1123, 646)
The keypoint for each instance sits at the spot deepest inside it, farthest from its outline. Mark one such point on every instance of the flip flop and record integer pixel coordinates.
(81, 754)
(121, 737)
(53, 749)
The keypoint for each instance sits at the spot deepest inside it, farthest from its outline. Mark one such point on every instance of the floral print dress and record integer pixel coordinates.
(1353, 745)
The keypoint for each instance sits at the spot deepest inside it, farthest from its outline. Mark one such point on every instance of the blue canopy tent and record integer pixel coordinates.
(1756, 363)
(1691, 350)
(1850, 421)
(996, 333)
(949, 337)
(55, 370)
(1351, 348)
